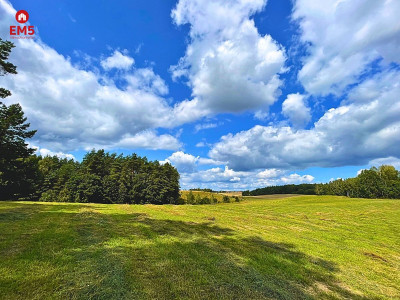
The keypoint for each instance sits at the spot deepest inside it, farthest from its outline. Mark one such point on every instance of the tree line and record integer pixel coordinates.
(202, 190)
(304, 189)
(382, 182)
(107, 178)
(100, 177)
(207, 196)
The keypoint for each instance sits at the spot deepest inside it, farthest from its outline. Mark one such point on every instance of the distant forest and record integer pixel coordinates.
(304, 189)
(382, 182)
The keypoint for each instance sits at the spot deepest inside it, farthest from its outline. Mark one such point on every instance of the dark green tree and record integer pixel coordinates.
(370, 184)
(388, 172)
(14, 152)
(190, 198)
(5, 66)
(382, 182)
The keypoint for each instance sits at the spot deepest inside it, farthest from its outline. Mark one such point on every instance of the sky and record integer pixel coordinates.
(236, 94)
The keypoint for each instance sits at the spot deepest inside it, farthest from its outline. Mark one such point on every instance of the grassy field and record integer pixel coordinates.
(306, 247)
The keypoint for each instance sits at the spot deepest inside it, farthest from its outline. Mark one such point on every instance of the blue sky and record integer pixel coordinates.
(236, 94)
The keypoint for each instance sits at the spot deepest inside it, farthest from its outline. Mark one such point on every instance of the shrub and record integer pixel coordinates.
(197, 199)
(49, 196)
(226, 199)
(64, 196)
(190, 198)
(180, 201)
(205, 200)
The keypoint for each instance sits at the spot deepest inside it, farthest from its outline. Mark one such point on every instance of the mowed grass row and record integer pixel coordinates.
(306, 247)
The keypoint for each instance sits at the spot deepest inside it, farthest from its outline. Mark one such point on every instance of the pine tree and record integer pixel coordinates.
(5, 66)
(13, 132)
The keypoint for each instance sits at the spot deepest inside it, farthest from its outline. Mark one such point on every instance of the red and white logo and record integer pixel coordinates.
(22, 32)
(22, 16)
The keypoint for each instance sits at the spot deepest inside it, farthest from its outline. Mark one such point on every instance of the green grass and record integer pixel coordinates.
(306, 247)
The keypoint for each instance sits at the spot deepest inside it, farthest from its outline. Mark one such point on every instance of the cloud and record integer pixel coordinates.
(351, 134)
(230, 66)
(145, 79)
(139, 48)
(296, 179)
(270, 173)
(229, 179)
(295, 109)
(358, 173)
(73, 20)
(209, 161)
(392, 161)
(46, 152)
(74, 108)
(226, 178)
(117, 61)
(344, 38)
(187, 163)
(199, 127)
(200, 144)
(148, 139)
(213, 176)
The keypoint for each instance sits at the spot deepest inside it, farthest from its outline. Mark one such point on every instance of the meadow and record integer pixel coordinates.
(302, 247)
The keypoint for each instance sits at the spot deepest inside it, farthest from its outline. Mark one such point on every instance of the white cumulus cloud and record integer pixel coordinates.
(73, 108)
(296, 179)
(118, 61)
(344, 37)
(294, 108)
(229, 179)
(188, 163)
(231, 67)
(46, 152)
(352, 134)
